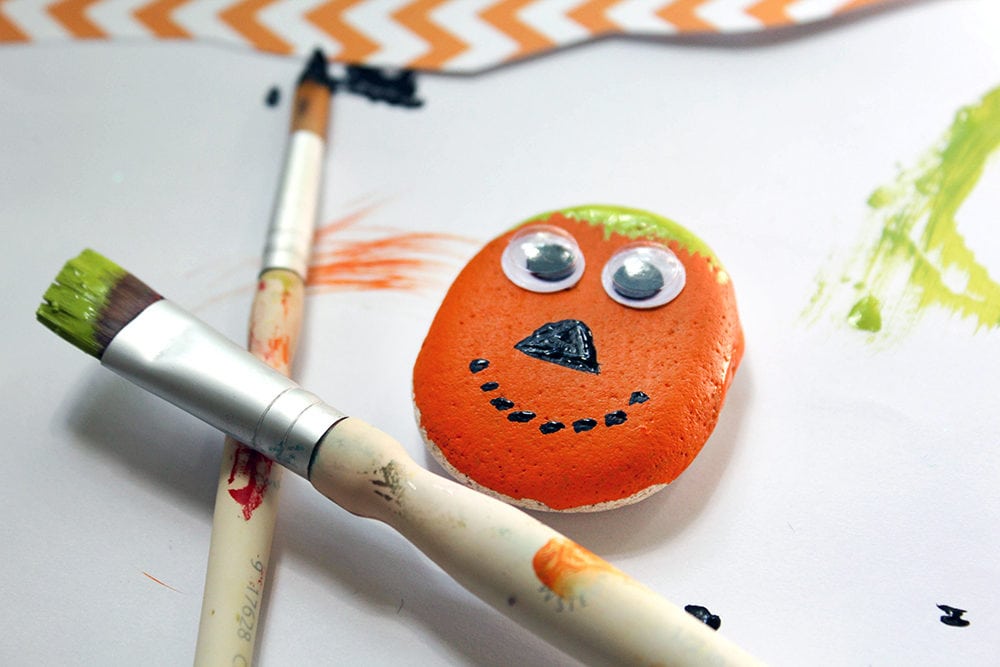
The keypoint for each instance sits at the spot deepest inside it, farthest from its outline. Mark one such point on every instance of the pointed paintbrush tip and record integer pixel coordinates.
(316, 71)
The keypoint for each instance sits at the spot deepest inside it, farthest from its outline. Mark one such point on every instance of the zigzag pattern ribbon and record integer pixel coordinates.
(434, 35)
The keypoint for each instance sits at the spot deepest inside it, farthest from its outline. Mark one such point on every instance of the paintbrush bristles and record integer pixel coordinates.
(91, 299)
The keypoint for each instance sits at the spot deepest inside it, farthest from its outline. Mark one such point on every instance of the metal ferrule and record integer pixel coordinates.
(293, 223)
(176, 356)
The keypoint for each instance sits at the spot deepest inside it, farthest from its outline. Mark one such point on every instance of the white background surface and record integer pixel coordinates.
(848, 489)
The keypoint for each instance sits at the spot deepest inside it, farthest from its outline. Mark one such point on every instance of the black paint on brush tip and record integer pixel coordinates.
(317, 71)
(704, 615)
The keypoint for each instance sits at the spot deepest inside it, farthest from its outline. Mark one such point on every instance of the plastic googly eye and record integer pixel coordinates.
(543, 258)
(643, 275)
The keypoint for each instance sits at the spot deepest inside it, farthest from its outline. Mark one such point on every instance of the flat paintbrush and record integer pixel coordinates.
(246, 501)
(517, 564)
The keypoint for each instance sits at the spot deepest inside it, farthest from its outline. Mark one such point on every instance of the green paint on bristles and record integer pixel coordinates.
(634, 224)
(73, 302)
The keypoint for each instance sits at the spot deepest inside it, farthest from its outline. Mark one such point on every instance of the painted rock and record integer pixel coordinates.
(579, 362)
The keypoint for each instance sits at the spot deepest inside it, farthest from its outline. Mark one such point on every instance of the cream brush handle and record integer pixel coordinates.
(526, 570)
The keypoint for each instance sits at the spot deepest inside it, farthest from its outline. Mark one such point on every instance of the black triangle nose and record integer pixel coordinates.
(568, 343)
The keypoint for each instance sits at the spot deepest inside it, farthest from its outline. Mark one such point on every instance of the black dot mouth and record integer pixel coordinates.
(524, 416)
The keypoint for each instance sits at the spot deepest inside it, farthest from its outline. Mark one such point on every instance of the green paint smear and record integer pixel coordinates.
(73, 302)
(635, 223)
(914, 241)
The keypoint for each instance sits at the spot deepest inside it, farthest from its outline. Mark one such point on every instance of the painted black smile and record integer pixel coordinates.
(504, 404)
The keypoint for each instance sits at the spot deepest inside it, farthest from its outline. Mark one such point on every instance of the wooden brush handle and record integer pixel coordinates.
(541, 579)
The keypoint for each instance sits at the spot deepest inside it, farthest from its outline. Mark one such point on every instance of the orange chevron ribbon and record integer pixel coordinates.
(242, 16)
(157, 17)
(355, 46)
(443, 45)
(72, 15)
(446, 46)
(504, 17)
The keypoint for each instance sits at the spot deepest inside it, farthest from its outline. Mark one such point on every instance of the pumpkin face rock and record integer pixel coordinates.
(579, 362)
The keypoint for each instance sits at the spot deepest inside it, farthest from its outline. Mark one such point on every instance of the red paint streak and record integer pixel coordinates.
(149, 576)
(393, 260)
(253, 469)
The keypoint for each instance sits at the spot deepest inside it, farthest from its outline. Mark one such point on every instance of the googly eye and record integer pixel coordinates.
(643, 275)
(542, 258)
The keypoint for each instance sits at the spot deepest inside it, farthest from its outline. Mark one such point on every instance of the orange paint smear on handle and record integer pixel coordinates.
(560, 563)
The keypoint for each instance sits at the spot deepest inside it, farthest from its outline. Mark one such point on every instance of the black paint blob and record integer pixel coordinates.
(568, 343)
(551, 427)
(615, 418)
(584, 424)
(521, 416)
(637, 397)
(501, 403)
(380, 86)
(489, 386)
(477, 365)
(954, 616)
(273, 97)
(704, 615)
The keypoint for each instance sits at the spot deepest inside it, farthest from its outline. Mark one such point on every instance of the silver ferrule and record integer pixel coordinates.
(294, 220)
(176, 356)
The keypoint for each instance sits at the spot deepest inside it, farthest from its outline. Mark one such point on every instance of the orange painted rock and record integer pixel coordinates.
(579, 362)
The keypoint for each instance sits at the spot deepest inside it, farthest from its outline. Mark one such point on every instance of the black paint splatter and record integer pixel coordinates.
(551, 427)
(637, 397)
(615, 418)
(477, 365)
(584, 424)
(273, 97)
(521, 416)
(954, 616)
(489, 386)
(382, 86)
(501, 403)
(704, 615)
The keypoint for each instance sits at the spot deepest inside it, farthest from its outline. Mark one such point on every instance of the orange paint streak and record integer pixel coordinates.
(149, 576)
(560, 563)
(682, 15)
(279, 348)
(396, 261)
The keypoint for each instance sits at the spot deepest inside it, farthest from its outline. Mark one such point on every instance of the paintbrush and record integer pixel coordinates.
(246, 501)
(512, 561)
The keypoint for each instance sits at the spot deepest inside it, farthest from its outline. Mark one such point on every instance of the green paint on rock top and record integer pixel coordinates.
(73, 302)
(635, 223)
